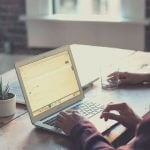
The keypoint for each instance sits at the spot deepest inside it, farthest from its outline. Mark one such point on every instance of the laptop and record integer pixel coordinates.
(88, 75)
(50, 84)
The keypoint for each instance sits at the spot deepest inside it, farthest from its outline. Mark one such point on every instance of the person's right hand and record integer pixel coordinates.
(127, 78)
(125, 116)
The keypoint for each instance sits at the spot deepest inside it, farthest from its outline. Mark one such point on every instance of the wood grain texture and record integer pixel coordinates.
(20, 134)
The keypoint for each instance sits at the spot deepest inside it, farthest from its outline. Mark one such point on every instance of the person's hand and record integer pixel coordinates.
(127, 78)
(67, 120)
(125, 116)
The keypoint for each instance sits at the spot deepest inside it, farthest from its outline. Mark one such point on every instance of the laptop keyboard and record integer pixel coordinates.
(51, 121)
(15, 88)
(87, 109)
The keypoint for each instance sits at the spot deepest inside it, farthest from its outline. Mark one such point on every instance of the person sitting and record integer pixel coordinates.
(86, 137)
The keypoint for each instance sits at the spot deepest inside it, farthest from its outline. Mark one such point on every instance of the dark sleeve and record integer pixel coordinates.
(86, 137)
(142, 138)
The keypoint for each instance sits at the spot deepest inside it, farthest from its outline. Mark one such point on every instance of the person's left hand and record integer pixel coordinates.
(126, 115)
(67, 120)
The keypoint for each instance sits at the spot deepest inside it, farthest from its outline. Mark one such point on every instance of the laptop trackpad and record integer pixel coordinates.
(101, 124)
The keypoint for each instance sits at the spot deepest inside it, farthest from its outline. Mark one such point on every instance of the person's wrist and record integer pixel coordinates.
(136, 122)
(141, 78)
(146, 78)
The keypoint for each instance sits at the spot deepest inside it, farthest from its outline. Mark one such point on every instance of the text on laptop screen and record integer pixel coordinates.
(49, 82)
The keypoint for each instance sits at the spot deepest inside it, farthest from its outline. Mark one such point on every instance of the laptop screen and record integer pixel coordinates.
(49, 82)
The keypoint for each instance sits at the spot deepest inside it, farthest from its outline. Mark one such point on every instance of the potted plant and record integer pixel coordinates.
(7, 100)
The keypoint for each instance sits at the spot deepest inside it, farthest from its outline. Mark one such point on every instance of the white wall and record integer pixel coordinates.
(56, 33)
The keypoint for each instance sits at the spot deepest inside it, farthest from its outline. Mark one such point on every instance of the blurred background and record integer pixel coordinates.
(30, 27)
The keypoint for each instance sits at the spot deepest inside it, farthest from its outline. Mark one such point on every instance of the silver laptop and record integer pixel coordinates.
(88, 75)
(50, 84)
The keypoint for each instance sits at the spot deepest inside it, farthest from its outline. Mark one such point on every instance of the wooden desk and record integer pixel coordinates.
(21, 134)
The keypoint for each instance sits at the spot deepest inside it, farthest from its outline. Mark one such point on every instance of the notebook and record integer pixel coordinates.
(50, 84)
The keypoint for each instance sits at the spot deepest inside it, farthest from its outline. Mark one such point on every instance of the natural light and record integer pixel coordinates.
(91, 7)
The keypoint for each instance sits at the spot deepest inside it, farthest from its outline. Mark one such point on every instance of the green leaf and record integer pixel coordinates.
(6, 91)
(1, 87)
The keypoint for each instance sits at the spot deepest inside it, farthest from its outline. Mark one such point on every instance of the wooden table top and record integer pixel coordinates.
(20, 134)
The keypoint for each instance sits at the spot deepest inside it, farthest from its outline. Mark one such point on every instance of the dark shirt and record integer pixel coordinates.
(87, 137)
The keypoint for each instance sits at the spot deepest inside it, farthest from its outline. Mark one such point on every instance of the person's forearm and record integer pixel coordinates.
(86, 137)
(146, 77)
(142, 139)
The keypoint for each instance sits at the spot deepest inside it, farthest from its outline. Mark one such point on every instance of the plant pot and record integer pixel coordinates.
(8, 107)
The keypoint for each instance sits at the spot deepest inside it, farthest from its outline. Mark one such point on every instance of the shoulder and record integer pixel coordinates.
(144, 127)
(142, 139)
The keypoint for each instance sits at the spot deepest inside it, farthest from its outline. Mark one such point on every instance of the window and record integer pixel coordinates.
(104, 7)
(100, 6)
(65, 6)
